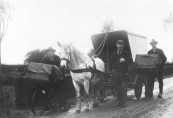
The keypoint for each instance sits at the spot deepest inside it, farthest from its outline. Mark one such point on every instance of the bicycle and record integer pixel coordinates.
(44, 99)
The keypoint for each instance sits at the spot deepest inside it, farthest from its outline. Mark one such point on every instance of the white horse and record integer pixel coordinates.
(75, 59)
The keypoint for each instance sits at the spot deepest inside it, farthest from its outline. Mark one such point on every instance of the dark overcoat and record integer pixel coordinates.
(162, 56)
(59, 84)
(56, 60)
(115, 60)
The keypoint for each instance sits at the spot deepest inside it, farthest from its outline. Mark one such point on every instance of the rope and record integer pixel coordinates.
(99, 46)
(102, 44)
(107, 54)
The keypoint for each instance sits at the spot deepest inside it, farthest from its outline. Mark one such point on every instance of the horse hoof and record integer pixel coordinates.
(95, 104)
(77, 111)
(86, 110)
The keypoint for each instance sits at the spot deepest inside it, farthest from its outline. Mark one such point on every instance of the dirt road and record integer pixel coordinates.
(153, 108)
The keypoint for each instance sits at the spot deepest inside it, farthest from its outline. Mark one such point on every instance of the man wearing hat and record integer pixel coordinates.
(162, 59)
(119, 62)
(52, 59)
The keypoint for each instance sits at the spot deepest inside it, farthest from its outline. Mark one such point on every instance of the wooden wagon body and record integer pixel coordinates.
(105, 44)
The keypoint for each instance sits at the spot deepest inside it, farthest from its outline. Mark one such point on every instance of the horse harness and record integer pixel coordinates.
(90, 69)
(93, 69)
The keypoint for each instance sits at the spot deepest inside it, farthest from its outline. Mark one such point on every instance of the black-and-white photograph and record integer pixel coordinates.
(86, 58)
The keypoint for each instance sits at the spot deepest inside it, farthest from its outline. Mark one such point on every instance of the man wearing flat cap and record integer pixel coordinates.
(162, 59)
(119, 62)
(52, 59)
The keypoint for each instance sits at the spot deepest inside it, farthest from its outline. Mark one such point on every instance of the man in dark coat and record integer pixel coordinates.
(53, 59)
(162, 59)
(120, 60)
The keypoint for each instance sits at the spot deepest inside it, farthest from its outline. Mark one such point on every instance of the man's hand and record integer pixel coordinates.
(122, 60)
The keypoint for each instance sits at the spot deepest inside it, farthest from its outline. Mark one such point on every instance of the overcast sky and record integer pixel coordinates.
(41, 23)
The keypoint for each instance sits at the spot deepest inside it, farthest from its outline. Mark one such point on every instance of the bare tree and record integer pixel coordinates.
(168, 23)
(5, 17)
(108, 26)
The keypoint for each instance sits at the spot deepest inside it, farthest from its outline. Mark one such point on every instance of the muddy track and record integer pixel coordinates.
(153, 108)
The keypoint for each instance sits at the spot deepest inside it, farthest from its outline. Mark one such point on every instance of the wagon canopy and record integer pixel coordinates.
(134, 43)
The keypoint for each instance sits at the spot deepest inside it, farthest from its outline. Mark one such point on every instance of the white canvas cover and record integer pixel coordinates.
(138, 45)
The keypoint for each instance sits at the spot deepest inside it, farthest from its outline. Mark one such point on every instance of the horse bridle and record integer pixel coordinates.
(68, 60)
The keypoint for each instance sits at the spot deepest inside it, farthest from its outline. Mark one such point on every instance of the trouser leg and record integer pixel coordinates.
(60, 93)
(124, 91)
(160, 80)
(121, 88)
(150, 84)
(152, 80)
(119, 93)
(117, 80)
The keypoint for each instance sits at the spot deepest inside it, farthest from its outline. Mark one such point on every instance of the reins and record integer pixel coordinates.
(102, 44)
(86, 69)
(80, 68)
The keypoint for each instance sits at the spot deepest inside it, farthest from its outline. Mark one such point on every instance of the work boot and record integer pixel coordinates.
(160, 95)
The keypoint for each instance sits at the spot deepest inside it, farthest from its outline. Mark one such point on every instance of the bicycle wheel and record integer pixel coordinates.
(39, 102)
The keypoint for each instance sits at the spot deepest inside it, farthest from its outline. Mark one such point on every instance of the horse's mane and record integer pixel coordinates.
(78, 55)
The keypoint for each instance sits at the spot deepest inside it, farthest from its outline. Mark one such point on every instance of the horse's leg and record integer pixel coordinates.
(96, 92)
(77, 89)
(86, 87)
(96, 100)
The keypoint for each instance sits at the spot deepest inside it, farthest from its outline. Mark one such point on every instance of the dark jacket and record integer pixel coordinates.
(161, 55)
(114, 61)
(56, 60)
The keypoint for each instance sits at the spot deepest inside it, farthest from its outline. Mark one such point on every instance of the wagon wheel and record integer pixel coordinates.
(102, 93)
(138, 86)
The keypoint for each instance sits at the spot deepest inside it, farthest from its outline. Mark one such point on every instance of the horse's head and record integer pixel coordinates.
(64, 54)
